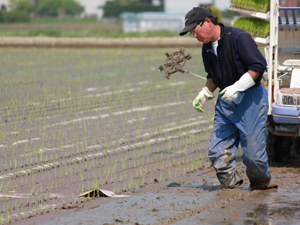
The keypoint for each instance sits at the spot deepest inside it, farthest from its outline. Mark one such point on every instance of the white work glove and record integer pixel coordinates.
(202, 97)
(231, 92)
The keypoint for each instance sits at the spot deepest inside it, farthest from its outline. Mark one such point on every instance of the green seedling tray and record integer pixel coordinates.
(253, 5)
(254, 26)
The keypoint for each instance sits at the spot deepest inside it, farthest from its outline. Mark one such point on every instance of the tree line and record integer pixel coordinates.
(20, 10)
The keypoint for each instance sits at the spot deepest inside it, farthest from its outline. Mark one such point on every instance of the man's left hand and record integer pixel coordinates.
(231, 92)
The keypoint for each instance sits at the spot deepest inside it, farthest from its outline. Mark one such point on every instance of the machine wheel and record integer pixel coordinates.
(270, 146)
(282, 147)
(295, 153)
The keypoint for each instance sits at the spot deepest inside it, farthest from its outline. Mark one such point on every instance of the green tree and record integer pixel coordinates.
(125, 2)
(21, 5)
(52, 7)
(132, 2)
(116, 7)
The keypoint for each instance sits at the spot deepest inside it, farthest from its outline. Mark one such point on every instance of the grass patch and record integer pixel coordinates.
(56, 20)
(161, 33)
(255, 5)
(254, 26)
(76, 30)
(61, 30)
(45, 33)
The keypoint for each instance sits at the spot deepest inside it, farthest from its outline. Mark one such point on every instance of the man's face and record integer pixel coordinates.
(203, 32)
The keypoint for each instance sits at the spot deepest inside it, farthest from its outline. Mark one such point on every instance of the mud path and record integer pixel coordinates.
(50, 42)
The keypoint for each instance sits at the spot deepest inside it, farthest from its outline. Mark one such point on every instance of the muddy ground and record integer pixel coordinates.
(196, 198)
(73, 120)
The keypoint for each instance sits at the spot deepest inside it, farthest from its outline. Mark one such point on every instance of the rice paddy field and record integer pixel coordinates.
(76, 120)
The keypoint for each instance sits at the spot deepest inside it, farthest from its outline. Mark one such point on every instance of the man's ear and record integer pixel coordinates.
(208, 20)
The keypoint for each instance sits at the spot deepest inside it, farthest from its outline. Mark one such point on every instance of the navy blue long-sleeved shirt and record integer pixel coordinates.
(245, 53)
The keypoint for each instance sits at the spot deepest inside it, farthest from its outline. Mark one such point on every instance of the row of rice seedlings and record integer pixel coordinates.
(66, 155)
(189, 165)
(104, 144)
(32, 110)
(54, 132)
(107, 169)
(21, 213)
(162, 166)
(86, 103)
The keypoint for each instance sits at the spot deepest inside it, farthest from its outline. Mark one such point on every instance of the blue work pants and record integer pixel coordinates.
(241, 122)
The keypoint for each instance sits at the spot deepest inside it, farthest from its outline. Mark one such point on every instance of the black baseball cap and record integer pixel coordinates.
(193, 17)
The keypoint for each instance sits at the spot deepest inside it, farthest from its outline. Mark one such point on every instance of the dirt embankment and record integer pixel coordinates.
(97, 42)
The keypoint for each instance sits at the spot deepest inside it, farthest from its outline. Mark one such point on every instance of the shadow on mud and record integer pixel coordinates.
(205, 187)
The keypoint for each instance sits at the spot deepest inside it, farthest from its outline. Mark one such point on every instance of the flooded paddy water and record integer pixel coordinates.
(76, 120)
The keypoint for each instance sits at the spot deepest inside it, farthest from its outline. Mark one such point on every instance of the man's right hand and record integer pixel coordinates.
(202, 97)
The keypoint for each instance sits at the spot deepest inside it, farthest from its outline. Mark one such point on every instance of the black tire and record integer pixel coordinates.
(282, 147)
(270, 146)
(295, 153)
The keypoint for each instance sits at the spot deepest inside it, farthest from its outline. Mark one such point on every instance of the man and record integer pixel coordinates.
(242, 105)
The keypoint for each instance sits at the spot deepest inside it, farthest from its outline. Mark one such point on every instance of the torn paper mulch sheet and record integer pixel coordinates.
(101, 193)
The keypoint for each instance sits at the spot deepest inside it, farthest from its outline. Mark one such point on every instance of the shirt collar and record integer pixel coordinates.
(209, 45)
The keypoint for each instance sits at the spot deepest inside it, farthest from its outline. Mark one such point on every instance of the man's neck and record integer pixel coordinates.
(216, 33)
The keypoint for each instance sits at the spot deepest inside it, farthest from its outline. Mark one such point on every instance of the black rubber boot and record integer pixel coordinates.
(263, 185)
(230, 180)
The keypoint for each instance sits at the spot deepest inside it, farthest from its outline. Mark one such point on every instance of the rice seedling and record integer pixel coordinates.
(8, 216)
(46, 208)
(22, 215)
(41, 208)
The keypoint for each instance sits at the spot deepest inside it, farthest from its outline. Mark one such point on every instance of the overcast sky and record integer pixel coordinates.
(91, 5)
(173, 6)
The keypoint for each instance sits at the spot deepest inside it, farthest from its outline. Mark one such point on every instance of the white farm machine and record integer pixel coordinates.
(282, 52)
(282, 79)
(283, 56)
